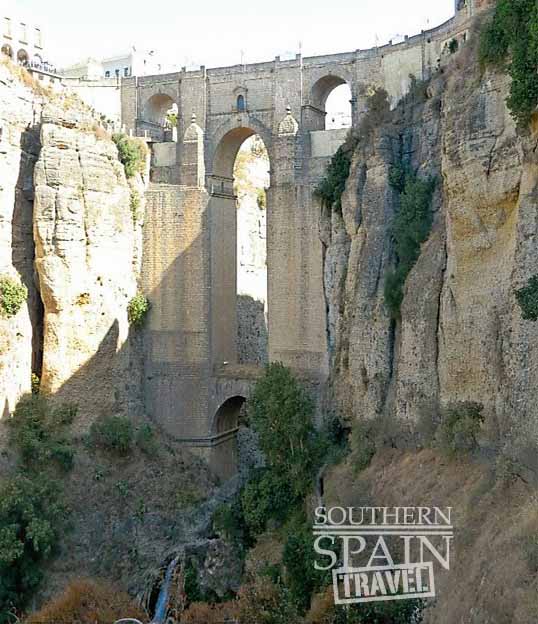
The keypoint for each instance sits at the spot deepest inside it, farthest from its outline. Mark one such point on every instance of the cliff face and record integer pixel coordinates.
(67, 234)
(85, 258)
(20, 108)
(461, 336)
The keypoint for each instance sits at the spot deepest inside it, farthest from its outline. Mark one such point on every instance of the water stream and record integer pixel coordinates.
(161, 607)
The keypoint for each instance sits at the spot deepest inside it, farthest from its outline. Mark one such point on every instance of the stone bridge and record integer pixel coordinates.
(189, 251)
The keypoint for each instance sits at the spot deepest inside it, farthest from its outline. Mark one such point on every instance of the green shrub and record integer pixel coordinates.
(281, 412)
(527, 299)
(146, 440)
(460, 426)
(132, 153)
(12, 296)
(32, 518)
(299, 557)
(137, 310)
(39, 432)
(410, 228)
(510, 41)
(266, 496)
(113, 433)
(229, 522)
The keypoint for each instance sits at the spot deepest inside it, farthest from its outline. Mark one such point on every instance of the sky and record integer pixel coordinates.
(218, 32)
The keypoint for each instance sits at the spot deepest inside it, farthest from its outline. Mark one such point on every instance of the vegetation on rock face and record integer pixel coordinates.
(137, 310)
(12, 296)
(527, 299)
(460, 427)
(113, 433)
(38, 430)
(132, 154)
(32, 519)
(510, 41)
(411, 227)
(333, 185)
(134, 204)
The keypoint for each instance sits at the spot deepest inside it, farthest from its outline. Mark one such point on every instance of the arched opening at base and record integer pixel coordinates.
(224, 454)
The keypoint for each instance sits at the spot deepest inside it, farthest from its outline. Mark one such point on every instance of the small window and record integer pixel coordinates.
(117, 73)
(126, 71)
(241, 103)
(107, 74)
(24, 33)
(38, 38)
(7, 27)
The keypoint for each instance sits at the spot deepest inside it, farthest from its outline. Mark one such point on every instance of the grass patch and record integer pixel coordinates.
(460, 426)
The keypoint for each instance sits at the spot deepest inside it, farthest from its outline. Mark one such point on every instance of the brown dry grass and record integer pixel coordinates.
(88, 601)
(22, 74)
(203, 613)
(491, 575)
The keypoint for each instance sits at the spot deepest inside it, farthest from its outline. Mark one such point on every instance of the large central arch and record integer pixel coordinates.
(223, 234)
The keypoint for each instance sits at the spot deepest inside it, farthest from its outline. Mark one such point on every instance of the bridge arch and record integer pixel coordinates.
(235, 299)
(322, 111)
(228, 138)
(156, 108)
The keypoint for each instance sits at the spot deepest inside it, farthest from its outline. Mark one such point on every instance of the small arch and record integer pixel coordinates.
(241, 104)
(224, 454)
(227, 416)
(7, 50)
(330, 102)
(157, 107)
(22, 57)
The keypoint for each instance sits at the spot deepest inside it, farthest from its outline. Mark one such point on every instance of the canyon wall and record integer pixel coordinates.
(461, 336)
(67, 233)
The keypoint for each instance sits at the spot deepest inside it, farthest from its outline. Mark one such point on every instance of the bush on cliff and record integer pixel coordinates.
(32, 518)
(460, 426)
(114, 434)
(510, 41)
(12, 296)
(137, 310)
(38, 429)
(132, 153)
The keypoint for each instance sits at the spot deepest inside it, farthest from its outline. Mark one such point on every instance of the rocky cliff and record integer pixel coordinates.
(86, 261)
(20, 335)
(67, 234)
(460, 336)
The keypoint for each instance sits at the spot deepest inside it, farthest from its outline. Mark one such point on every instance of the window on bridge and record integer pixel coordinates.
(241, 106)
(251, 180)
